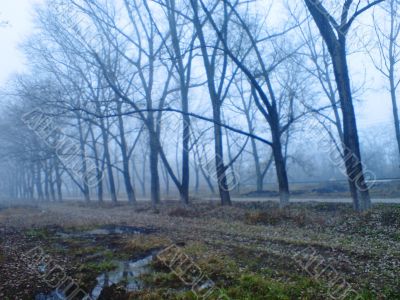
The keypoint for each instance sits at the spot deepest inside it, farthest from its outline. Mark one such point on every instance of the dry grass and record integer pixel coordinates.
(276, 217)
(143, 244)
(184, 213)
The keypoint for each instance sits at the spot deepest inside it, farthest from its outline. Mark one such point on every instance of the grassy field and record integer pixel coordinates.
(251, 250)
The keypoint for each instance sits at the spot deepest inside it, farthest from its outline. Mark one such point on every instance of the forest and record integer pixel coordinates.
(203, 149)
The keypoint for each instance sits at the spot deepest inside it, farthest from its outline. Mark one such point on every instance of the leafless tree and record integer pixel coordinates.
(260, 79)
(334, 34)
(388, 60)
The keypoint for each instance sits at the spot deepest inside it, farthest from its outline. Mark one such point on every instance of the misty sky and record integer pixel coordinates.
(374, 110)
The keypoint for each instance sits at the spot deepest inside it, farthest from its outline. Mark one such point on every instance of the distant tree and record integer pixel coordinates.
(3, 23)
(218, 84)
(260, 72)
(183, 66)
(387, 29)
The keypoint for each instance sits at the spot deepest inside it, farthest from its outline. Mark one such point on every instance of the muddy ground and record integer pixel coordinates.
(248, 251)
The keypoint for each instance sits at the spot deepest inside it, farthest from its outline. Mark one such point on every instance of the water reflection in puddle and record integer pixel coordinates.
(106, 230)
(127, 274)
(52, 296)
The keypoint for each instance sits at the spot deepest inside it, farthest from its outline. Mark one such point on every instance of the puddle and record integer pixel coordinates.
(112, 229)
(52, 296)
(126, 274)
(107, 230)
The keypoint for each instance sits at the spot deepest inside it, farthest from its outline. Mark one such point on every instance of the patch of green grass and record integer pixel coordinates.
(396, 236)
(152, 294)
(195, 249)
(390, 217)
(392, 292)
(162, 280)
(254, 286)
(219, 267)
(99, 267)
(39, 233)
(84, 251)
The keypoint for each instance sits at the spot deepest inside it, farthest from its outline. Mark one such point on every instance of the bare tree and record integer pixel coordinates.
(184, 74)
(387, 63)
(217, 91)
(263, 90)
(334, 34)
(250, 112)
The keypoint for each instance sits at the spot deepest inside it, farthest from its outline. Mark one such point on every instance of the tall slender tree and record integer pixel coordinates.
(335, 36)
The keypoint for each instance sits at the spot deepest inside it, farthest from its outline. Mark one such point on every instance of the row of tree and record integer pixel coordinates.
(187, 87)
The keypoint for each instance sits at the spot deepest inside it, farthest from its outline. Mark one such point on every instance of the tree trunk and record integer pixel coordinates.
(52, 182)
(140, 177)
(256, 157)
(185, 156)
(184, 90)
(99, 168)
(154, 175)
(352, 153)
(107, 155)
(394, 106)
(216, 106)
(86, 191)
(337, 50)
(219, 158)
(279, 160)
(130, 192)
(197, 178)
(38, 181)
(46, 181)
(58, 180)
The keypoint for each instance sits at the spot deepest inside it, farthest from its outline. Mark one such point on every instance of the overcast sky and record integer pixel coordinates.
(19, 15)
(374, 110)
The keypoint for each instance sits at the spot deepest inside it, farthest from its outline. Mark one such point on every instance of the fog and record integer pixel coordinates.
(270, 113)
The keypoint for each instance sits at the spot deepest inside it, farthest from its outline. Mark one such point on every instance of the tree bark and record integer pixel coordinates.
(125, 159)
(86, 191)
(58, 180)
(352, 153)
(280, 164)
(154, 175)
(219, 158)
(108, 163)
